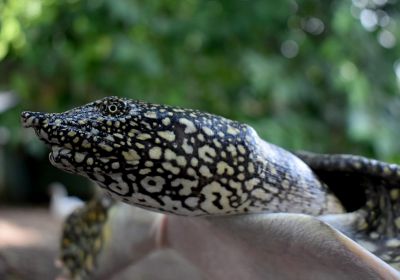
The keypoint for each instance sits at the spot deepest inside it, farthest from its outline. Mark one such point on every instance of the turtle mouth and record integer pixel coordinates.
(61, 133)
(74, 146)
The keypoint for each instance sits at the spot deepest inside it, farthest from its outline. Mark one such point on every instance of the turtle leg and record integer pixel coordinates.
(101, 239)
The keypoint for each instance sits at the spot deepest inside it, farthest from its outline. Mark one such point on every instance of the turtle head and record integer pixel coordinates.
(147, 154)
(110, 135)
(88, 138)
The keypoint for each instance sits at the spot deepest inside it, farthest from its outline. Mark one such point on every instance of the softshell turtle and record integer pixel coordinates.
(235, 205)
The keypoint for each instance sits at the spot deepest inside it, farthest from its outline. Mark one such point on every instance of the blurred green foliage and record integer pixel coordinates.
(308, 74)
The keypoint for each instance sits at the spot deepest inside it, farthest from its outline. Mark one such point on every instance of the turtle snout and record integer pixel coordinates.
(32, 119)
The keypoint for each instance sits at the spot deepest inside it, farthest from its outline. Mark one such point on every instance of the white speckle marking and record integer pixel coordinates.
(205, 171)
(207, 131)
(206, 153)
(190, 127)
(155, 153)
(167, 135)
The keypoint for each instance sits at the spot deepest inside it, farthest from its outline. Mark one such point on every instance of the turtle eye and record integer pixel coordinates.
(112, 108)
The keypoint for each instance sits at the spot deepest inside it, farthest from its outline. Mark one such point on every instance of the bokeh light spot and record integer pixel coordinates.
(369, 19)
(386, 39)
(289, 48)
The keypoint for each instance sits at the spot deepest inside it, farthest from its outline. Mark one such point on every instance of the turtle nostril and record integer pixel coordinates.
(31, 119)
(27, 119)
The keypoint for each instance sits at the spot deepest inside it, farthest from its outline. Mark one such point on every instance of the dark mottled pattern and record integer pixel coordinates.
(378, 223)
(83, 238)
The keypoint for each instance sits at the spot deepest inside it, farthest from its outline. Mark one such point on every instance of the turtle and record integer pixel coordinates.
(213, 182)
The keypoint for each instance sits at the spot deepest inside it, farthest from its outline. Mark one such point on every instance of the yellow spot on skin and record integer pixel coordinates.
(250, 168)
(133, 132)
(169, 154)
(374, 235)
(118, 135)
(186, 184)
(261, 194)
(190, 127)
(71, 133)
(206, 153)
(191, 172)
(144, 171)
(155, 153)
(393, 243)
(232, 150)
(207, 131)
(231, 130)
(139, 145)
(79, 157)
(194, 162)
(86, 144)
(270, 188)
(217, 143)
(169, 167)
(110, 138)
(130, 155)
(250, 184)
(285, 184)
(115, 165)
(241, 149)
(151, 115)
(186, 147)
(153, 184)
(76, 140)
(240, 176)
(205, 171)
(166, 121)
(208, 192)
(223, 167)
(105, 147)
(394, 194)
(89, 161)
(144, 136)
(386, 170)
(192, 201)
(200, 137)
(239, 190)
(167, 135)
(181, 160)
